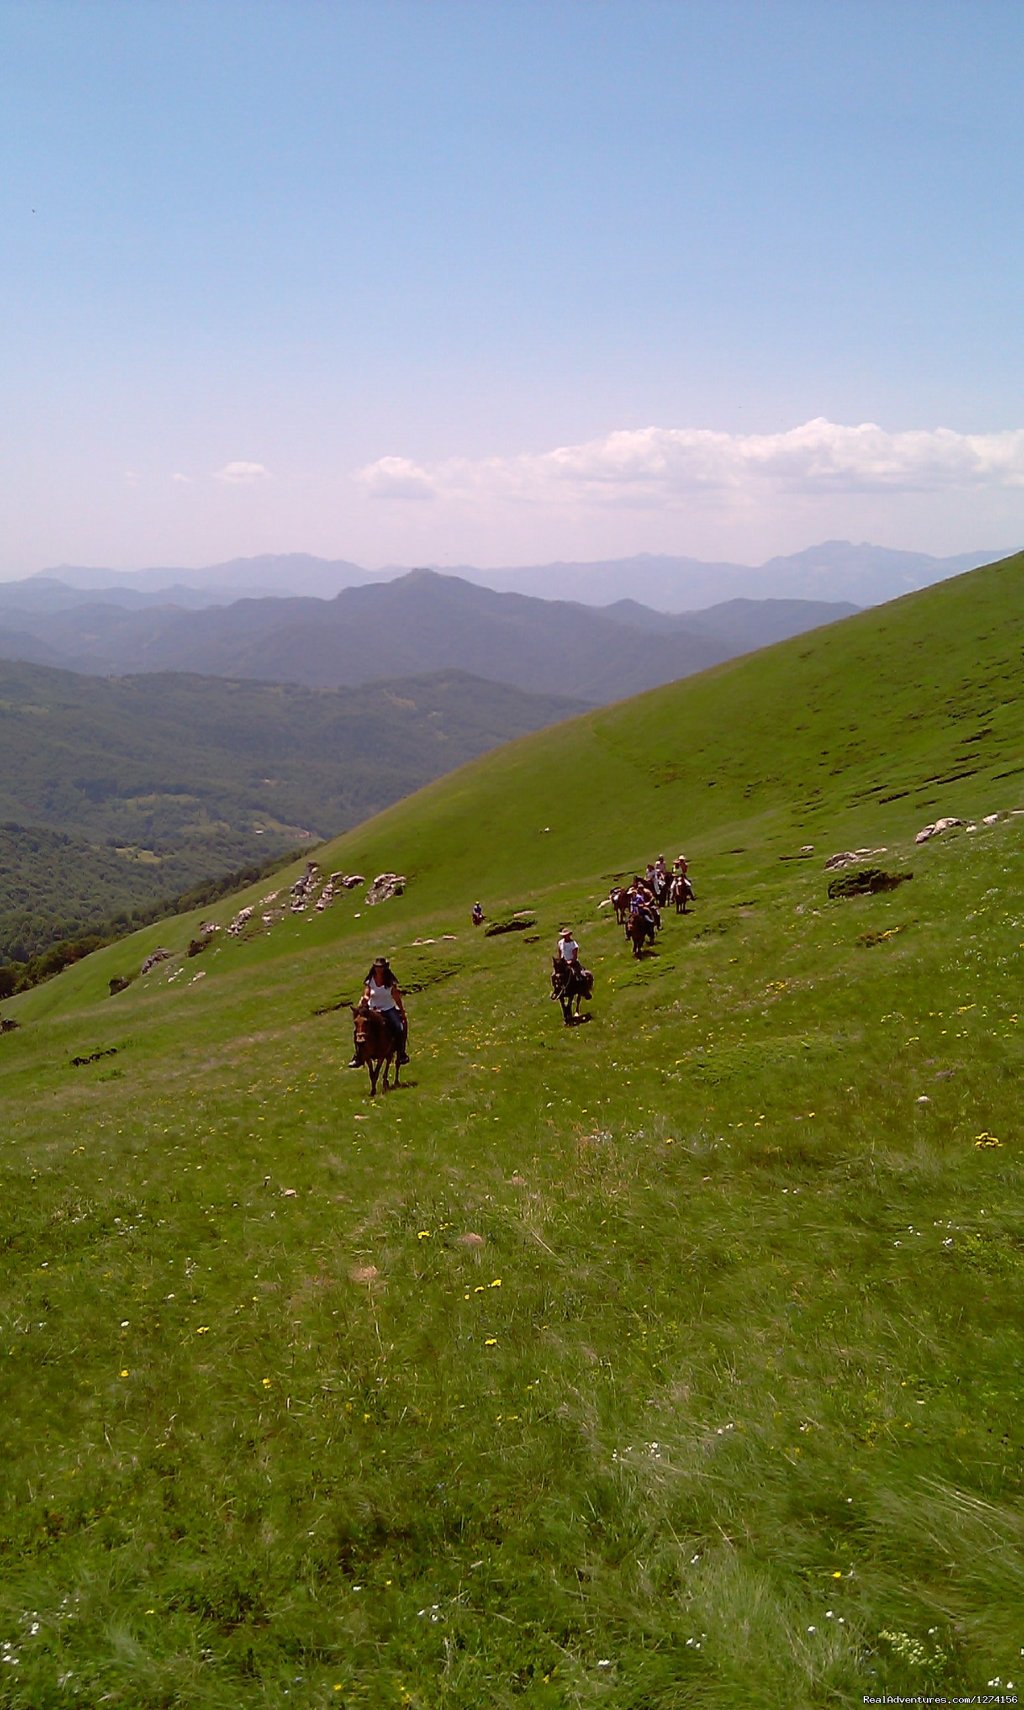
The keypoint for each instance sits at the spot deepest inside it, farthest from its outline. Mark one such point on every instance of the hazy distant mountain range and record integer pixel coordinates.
(835, 570)
(418, 623)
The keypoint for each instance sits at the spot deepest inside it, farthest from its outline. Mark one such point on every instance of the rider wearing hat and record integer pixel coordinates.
(568, 949)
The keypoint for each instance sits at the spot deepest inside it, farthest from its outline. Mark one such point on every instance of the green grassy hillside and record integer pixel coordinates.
(669, 1360)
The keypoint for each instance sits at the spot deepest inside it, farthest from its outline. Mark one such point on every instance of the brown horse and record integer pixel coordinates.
(618, 896)
(640, 929)
(681, 892)
(570, 983)
(375, 1044)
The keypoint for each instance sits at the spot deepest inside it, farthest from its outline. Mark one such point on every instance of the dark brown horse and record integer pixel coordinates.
(375, 1044)
(640, 929)
(570, 983)
(618, 896)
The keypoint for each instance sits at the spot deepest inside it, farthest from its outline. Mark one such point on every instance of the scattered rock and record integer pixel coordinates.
(471, 1239)
(151, 961)
(94, 1057)
(937, 829)
(850, 857)
(328, 894)
(384, 887)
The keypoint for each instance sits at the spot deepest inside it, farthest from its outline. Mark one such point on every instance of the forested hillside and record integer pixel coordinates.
(116, 794)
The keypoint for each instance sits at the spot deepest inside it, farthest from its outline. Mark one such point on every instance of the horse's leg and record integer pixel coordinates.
(374, 1067)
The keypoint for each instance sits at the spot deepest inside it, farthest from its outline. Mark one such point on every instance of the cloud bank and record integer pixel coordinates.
(242, 474)
(648, 467)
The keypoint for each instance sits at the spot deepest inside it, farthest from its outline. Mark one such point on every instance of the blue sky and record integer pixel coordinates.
(496, 282)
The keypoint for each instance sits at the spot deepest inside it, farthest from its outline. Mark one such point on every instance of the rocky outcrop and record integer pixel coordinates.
(850, 858)
(385, 886)
(152, 960)
(937, 829)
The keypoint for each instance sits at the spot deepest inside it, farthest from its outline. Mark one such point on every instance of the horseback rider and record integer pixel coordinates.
(477, 913)
(570, 980)
(381, 994)
(575, 974)
(568, 949)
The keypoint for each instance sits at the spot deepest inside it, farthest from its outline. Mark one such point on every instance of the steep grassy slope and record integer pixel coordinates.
(855, 734)
(671, 1360)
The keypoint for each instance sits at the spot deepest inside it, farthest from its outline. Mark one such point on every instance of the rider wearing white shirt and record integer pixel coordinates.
(382, 994)
(568, 948)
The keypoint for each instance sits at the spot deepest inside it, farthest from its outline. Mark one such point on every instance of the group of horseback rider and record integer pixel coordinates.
(649, 894)
(642, 900)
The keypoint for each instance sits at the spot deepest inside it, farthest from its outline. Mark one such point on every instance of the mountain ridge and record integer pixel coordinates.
(860, 573)
(422, 622)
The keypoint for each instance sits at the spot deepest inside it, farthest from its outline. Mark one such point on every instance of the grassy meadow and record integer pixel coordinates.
(674, 1359)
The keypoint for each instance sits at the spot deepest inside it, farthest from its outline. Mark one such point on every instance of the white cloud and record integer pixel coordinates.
(185, 479)
(396, 478)
(242, 474)
(662, 467)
